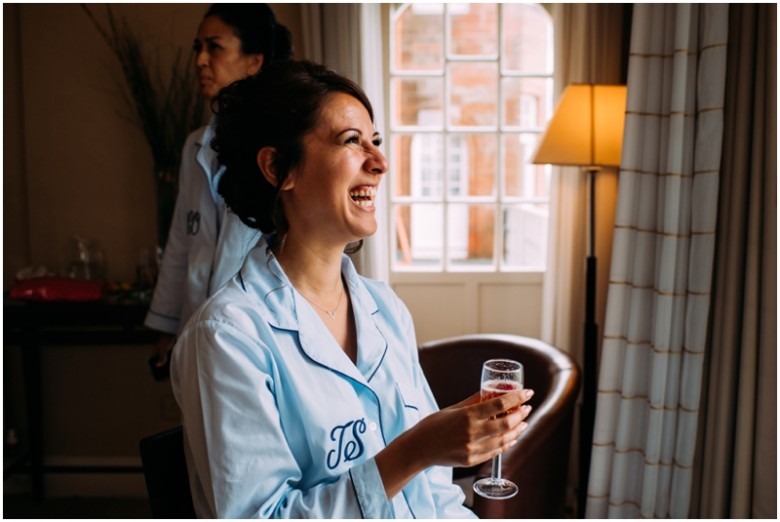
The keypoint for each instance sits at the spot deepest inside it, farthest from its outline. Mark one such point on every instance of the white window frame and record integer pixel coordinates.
(445, 270)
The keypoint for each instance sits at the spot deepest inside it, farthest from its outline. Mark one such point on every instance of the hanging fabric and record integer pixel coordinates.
(658, 300)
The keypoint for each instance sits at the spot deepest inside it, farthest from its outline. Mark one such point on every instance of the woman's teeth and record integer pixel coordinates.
(363, 197)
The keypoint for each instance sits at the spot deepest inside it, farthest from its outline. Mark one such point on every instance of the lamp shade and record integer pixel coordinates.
(586, 128)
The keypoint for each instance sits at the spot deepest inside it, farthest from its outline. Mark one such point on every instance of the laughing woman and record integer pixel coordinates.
(299, 382)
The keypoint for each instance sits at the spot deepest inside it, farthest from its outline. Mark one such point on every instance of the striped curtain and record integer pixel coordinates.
(650, 379)
(737, 474)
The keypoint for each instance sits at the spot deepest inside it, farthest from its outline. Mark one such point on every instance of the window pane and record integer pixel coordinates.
(521, 178)
(527, 102)
(473, 29)
(527, 39)
(419, 38)
(470, 233)
(419, 160)
(473, 94)
(418, 102)
(472, 164)
(400, 166)
(418, 235)
(525, 236)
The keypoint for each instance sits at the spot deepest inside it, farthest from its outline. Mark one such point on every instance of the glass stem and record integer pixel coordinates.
(496, 472)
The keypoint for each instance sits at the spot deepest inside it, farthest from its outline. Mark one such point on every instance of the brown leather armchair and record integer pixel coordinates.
(539, 463)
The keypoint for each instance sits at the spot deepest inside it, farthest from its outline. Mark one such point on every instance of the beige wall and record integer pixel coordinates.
(457, 304)
(72, 164)
(16, 243)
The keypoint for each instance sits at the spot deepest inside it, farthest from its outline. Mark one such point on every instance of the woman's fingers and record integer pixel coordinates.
(478, 430)
(506, 403)
(497, 416)
(163, 344)
(504, 419)
(492, 447)
(497, 405)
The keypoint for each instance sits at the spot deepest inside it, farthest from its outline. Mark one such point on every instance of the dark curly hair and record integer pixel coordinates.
(274, 108)
(255, 25)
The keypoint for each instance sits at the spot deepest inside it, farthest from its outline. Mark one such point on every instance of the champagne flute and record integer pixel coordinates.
(499, 376)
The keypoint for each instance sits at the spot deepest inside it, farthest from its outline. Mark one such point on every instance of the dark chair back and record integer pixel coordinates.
(539, 463)
(165, 471)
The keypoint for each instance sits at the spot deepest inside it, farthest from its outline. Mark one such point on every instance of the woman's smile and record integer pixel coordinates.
(364, 197)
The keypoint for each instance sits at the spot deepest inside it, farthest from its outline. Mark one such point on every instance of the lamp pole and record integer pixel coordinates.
(590, 350)
(586, 130)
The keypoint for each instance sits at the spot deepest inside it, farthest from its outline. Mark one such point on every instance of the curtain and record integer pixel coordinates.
(658, 300)
(348, 39)
(737, 472)
(588, 43)
(589, 39)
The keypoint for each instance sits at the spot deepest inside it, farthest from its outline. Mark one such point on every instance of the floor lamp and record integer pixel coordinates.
(586, 130)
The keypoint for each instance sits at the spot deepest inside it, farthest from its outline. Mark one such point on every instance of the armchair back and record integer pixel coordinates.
(539, 463)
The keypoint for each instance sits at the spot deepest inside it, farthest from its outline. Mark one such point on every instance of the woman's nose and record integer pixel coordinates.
(201, 58)
(377, 163)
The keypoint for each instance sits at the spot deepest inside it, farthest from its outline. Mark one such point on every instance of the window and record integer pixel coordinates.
(470, 93)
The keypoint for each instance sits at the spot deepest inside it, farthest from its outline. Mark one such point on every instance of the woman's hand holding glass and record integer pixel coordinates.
(472, 431)
(462, 435)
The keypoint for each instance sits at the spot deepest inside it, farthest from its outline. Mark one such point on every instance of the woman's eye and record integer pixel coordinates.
(377, 141)
(353, 139)
(196, 47)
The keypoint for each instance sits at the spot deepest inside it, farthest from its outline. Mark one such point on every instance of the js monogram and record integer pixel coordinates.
(349, 444)
(193, 222)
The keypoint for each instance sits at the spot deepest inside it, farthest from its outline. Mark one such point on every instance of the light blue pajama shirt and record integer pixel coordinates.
(207, 243)
(279, 422)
